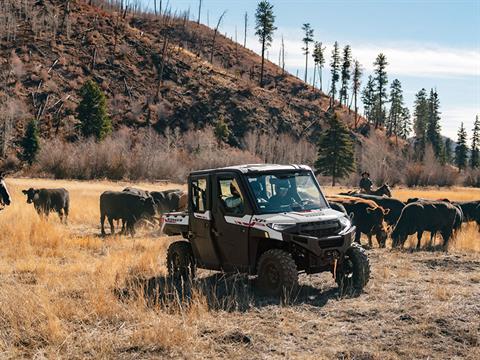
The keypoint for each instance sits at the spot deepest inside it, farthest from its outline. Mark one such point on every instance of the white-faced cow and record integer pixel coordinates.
(47, 200)
(5, 199)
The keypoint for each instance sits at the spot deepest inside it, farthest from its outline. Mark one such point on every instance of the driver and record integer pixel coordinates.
(282, 197)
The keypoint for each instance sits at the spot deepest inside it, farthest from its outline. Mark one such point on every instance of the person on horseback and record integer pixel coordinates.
(365, 183)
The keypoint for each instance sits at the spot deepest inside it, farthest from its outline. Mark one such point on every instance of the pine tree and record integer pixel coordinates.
(368, 98)
(447, 151)
(319, 60)
(335, 151)
(406, 124)
(420, 123)
(381, 80)
(346, 64)
(335, 68)
(264, 29)
(475, 150)
(433, 125)
(308, 38)
(395, 116)
(92, 112)
(30, 142)
(461, 151)
(222, 131)
(356, 83)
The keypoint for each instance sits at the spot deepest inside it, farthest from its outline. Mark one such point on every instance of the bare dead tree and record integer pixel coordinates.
(245, 35)
(199, 11)
(215, 34)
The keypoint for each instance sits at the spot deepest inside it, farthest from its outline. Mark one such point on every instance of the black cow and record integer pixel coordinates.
(165, 201)
(170, 200)
(471, 210)
(367, 217)
(425, 215)
(5, 199)
(394, 205)
(124, 206)
(47, 200)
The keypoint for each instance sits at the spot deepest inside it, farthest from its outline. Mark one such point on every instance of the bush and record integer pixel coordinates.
(472, 178)
(138, 155)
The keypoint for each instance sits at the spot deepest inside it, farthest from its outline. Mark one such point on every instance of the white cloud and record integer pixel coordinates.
(404, 58)
(452, 117)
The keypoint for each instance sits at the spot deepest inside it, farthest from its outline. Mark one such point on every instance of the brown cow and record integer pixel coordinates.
(368, 217)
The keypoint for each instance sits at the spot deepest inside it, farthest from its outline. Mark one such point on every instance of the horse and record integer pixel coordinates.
(5, 199)
(381, 191)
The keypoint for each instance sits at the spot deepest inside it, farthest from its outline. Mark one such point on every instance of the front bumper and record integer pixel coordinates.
(318, 254)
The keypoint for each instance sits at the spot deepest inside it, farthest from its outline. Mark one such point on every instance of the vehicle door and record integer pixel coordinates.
(200, 222)
(232, 219)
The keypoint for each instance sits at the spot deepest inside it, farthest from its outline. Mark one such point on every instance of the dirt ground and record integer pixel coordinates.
(67, 293)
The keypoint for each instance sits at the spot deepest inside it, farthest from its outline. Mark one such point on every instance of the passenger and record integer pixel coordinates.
(234, 203)
(258, 192)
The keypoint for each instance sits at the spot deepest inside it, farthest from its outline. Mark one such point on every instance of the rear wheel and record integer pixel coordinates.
(354, 272)
(180, 261)
(277, 273)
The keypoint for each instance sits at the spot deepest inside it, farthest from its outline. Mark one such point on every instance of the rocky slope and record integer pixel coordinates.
(48, 50)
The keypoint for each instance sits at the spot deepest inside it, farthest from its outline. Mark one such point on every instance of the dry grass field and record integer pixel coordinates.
(67, 293)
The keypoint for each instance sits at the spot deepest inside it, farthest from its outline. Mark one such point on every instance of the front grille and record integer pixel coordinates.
(319, 229)
(330, 243)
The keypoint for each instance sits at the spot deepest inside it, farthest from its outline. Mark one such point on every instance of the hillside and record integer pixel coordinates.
(48, 50)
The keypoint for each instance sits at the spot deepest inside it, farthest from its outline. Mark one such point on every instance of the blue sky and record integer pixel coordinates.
(431, 44)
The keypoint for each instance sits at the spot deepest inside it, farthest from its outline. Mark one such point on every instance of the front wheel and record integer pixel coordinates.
(180, 261)
(354, 272)
(277, 273)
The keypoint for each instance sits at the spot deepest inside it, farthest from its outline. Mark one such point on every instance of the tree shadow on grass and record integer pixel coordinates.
(228, 292)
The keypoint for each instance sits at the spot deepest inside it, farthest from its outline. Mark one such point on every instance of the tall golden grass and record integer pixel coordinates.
(58, 285)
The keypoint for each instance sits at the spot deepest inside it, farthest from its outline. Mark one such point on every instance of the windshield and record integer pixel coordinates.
(276, 193)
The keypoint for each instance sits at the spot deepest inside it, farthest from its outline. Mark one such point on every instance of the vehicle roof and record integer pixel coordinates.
(254, 168)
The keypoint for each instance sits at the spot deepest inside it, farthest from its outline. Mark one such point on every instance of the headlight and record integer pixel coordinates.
(280, 227)
(345, 222)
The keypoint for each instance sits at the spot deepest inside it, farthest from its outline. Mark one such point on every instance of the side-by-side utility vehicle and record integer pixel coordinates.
(267, 220)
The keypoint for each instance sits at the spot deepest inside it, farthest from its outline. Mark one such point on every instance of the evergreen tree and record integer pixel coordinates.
(30, 142)
(264, 29)
(356, 83)
(346, 65)
(319, 60)
(406, 124)
(447, 151)
(335, 68)
(92, 112)
(461, 151)
(395, 116)
(222, 131)
(308, 38)
(368, 98)
(433, 125)
(381, 82)
(335, 151)
(420, 122)
(475, 150)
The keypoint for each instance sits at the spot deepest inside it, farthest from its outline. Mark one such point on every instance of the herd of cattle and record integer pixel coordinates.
(377, 215)
(372, 215)
(129, 205)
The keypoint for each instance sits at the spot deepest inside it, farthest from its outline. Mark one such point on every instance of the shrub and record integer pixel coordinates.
(138, 155)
